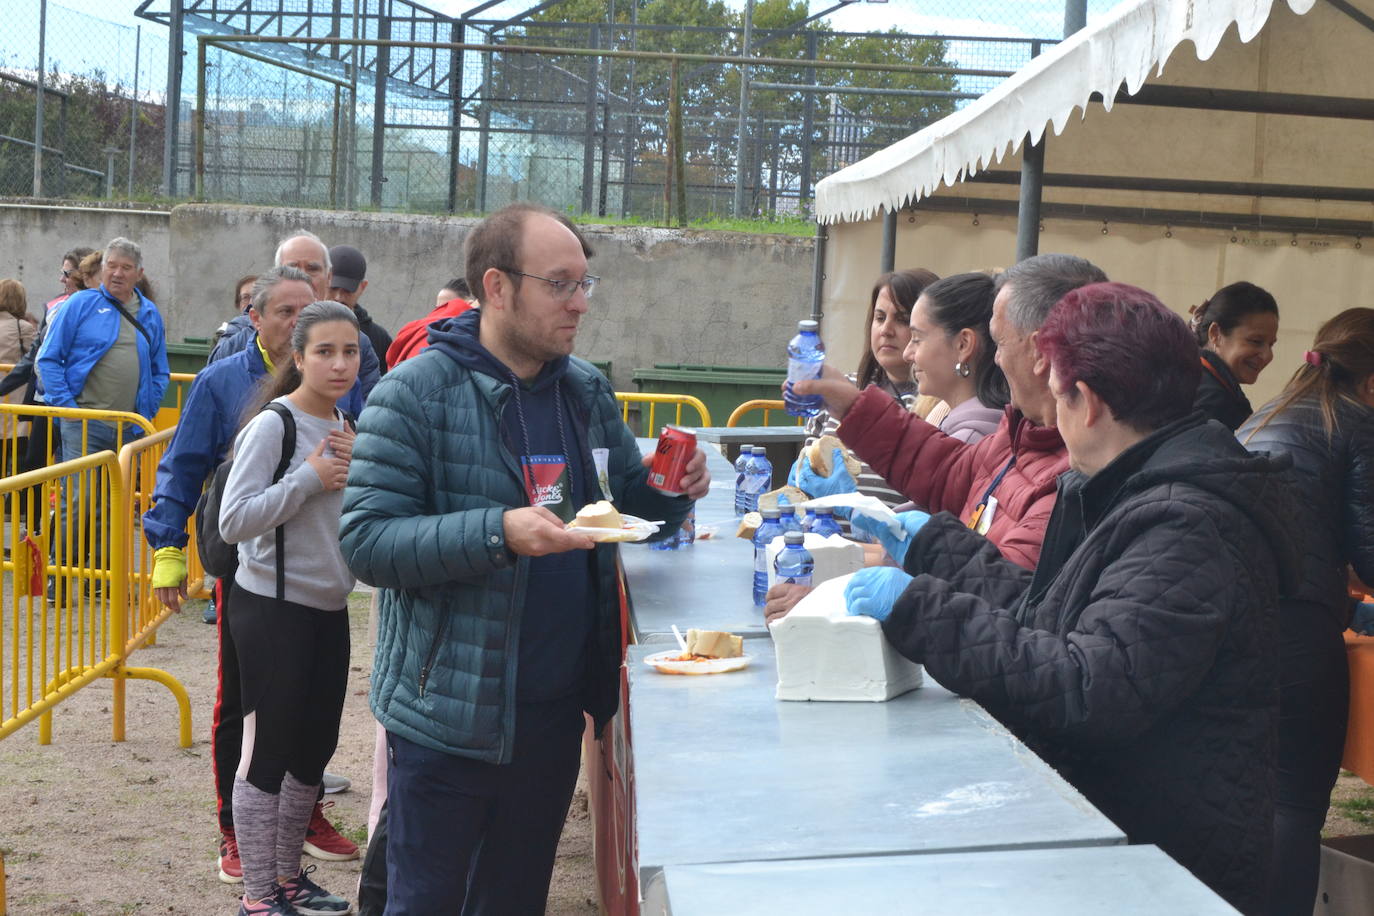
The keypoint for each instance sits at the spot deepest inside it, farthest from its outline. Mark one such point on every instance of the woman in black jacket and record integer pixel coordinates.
(1236, 330)
(1139, 657)
(1324, 419)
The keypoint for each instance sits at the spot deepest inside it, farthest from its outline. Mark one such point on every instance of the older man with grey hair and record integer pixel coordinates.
(304, 251)
(1004, 486)
(209, 420)
(105, 349)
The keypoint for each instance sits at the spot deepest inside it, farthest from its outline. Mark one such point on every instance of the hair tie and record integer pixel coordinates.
(1314, 358)
(1196, 312)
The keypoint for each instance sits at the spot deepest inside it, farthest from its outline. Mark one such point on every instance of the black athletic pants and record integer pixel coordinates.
(293, 666)
(226, 738)
(1314, 699)
(480, 838)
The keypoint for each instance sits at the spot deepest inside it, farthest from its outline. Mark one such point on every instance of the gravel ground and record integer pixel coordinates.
(91, 826)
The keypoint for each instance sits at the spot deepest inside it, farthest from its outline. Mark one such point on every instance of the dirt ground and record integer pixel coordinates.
(91, 826)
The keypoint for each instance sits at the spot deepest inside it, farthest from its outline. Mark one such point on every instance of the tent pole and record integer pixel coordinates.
(889, 256)
(1028, 209)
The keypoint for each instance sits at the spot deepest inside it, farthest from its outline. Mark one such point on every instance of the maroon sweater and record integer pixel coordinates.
(942, 474)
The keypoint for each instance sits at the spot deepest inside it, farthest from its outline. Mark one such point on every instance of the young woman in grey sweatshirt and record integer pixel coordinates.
(291, 631)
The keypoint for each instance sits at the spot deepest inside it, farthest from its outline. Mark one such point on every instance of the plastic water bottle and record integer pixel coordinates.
(794, 563)
(770, 529)
(762, 475)
(741, 475)
(808, 520)
(825, 524)
(805, 356)
(788, 517)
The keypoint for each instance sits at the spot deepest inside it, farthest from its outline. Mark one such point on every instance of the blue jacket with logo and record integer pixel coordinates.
(82, 331)
(210, 419)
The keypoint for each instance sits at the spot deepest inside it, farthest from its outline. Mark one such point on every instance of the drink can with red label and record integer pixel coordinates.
(675, 448)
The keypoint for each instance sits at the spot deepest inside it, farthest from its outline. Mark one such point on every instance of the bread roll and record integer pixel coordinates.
(769, 500)
(748, 525)
(598, 515)
(820, 452)
(714, 644)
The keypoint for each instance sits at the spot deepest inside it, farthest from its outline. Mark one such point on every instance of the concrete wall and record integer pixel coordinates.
(34, 236)
(666, 295)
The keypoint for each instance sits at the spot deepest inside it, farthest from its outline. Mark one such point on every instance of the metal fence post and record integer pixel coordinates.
(679, 153)
(381, 65)
(133, 109)
(455, 123)
(589, 130)
(38, 108)
(808, 124)
(742, 137)
(198, 118)
(1028, 204)
(484, 137)
(172, 112)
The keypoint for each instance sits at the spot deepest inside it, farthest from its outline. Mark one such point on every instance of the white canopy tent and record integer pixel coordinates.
(1195, 142)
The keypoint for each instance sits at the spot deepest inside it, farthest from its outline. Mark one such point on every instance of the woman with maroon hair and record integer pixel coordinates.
(1139, 657)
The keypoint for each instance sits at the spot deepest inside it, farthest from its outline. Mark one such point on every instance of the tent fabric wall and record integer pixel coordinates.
(1129, 48)
(1312, 277)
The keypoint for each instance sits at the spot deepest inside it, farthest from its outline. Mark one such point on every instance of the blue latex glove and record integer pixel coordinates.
(814, 485)
(874, 590)
(1363, 621)
(896, 545)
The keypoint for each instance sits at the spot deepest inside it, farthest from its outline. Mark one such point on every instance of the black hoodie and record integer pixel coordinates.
(537, 420)
(1141, 660)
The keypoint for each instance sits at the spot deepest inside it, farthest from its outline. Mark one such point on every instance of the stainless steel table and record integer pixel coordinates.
(723, 772)
(705, 585)
(1116, 880)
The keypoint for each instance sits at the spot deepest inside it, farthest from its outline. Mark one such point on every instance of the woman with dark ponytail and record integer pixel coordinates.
(281, 505)
(1236, 330)
(1324, 419)
(952, 354)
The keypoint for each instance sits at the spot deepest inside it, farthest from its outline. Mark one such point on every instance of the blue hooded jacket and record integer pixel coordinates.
(83, 330)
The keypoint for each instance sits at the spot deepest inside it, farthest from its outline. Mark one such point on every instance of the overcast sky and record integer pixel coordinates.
(1041, 18)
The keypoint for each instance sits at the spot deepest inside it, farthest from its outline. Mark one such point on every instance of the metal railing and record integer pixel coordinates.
(80, 600)
(646, 419)
(763, 404)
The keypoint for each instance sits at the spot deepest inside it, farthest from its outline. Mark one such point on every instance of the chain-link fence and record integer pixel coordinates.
(102, 123)
(281, 104)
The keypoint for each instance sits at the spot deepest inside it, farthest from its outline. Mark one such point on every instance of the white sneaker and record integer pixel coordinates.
(333, 783)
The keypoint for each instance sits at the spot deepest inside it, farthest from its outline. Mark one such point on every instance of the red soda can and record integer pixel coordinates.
(675, 448)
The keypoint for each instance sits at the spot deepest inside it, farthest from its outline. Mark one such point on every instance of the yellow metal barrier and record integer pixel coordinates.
(71, 531)
(765, 405)
(180, 386)
(650, 428)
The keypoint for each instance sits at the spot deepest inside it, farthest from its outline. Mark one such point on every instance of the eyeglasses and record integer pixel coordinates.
(562, 289)
(66, 272)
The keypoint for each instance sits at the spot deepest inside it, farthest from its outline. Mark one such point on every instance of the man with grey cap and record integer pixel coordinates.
(347, 284)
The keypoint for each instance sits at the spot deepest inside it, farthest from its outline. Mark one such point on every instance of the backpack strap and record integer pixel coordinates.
(288, 451)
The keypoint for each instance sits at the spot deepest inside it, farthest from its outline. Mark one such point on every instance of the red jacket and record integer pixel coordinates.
(414, 336)
(945, 475)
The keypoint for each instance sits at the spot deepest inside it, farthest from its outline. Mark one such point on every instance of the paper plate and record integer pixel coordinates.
(635, 529)
(670, 662)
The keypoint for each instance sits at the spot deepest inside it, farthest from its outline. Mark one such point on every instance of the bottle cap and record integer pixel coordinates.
(824, 510)
(770, 513)
(787, 509)
(793, 538)
(759, 450)
(808, 324)
(746, 449)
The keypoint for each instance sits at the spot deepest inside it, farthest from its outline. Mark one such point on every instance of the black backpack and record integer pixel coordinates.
(218, 558)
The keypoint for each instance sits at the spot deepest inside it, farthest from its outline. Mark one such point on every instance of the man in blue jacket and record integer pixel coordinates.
(210, 419)
(497, 625)
(105, 349)
(304, 251)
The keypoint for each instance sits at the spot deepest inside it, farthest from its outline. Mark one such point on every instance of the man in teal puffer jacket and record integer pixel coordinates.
(497, 626)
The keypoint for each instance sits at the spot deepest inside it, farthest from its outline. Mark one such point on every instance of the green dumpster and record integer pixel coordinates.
(721, 388)
(188, 358)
